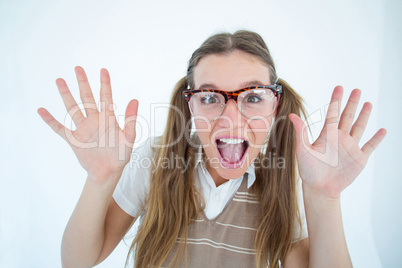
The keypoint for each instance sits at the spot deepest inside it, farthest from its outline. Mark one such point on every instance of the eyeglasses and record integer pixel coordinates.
(257, 102)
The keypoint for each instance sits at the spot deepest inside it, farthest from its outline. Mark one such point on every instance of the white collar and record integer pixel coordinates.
(250, 170)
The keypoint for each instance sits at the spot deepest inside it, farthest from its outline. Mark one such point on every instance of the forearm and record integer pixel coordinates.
(84, 235)
(327, 239)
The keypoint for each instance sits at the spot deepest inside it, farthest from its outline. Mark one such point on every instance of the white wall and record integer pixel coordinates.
(387, 186)
(145, 46)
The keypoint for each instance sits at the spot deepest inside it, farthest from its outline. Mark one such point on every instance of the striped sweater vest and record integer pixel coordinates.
(227, 240)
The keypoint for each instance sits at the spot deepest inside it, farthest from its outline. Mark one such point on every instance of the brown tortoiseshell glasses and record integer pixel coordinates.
(257, 102)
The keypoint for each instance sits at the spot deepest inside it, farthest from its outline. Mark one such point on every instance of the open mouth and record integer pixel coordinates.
(231, 151)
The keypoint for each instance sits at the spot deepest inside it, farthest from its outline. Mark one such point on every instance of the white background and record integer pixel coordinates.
(316, 45)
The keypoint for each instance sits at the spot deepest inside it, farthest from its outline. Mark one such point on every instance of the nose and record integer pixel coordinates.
(231, 116)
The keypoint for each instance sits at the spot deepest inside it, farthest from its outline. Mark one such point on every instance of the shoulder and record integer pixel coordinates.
(145, 148)
(142, 159)
(132, 190)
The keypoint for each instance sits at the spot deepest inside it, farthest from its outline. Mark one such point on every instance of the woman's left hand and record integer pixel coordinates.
(335, 159)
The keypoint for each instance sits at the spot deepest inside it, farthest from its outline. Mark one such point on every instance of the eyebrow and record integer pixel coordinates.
(242, 85)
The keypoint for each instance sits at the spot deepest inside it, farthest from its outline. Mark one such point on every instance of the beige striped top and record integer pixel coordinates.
(227, 240)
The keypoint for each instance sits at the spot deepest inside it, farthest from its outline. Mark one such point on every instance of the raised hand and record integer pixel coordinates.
(335, 159)
(102, 148)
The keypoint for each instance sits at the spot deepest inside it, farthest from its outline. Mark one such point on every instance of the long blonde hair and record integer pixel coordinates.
(174, 201)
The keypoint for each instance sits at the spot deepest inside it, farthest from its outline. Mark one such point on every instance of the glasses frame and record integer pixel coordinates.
(233, 95)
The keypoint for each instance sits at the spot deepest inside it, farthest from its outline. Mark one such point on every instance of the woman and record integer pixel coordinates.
(243, 115)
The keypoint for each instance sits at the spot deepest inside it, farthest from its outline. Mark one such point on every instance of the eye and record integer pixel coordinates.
(209, 99)
(252, 98)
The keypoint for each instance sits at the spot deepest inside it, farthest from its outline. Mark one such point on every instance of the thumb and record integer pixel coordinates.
(301, 131)
(130, 121)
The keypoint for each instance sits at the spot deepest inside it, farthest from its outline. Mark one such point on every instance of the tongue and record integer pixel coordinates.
(231, 153)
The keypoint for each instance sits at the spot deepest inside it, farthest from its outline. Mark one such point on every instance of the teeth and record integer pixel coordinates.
(232, 141)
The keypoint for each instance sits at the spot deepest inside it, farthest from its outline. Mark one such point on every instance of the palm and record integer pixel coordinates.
(101, 147)
(335, 159)
(97, 148)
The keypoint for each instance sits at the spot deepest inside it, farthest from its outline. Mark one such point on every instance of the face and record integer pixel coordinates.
(230, 72)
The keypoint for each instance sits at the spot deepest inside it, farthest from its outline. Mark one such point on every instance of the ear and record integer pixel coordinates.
(277, 104)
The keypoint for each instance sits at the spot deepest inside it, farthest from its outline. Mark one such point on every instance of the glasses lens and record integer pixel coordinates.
(257, 103)
(207, 105)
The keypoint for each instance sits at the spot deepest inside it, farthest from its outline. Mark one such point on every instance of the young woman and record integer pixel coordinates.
(234, 201)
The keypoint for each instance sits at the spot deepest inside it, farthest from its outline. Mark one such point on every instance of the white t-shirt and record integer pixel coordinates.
(133, 187)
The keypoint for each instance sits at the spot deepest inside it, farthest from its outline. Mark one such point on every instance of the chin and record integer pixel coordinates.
(231, 174)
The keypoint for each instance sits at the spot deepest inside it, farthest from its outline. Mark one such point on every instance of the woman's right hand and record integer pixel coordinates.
(102, 148)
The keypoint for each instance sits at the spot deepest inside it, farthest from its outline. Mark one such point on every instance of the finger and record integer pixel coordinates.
(331, 120)
(86, 95)
(53, 123)
(130, 120)
(72, 108)
(349, 112)
(106, 91)
(301, 132)
(359, 126)
(370, 146)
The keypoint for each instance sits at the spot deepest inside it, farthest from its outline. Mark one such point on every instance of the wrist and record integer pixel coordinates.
(319, 199)
(324, 189)
(104, 183)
